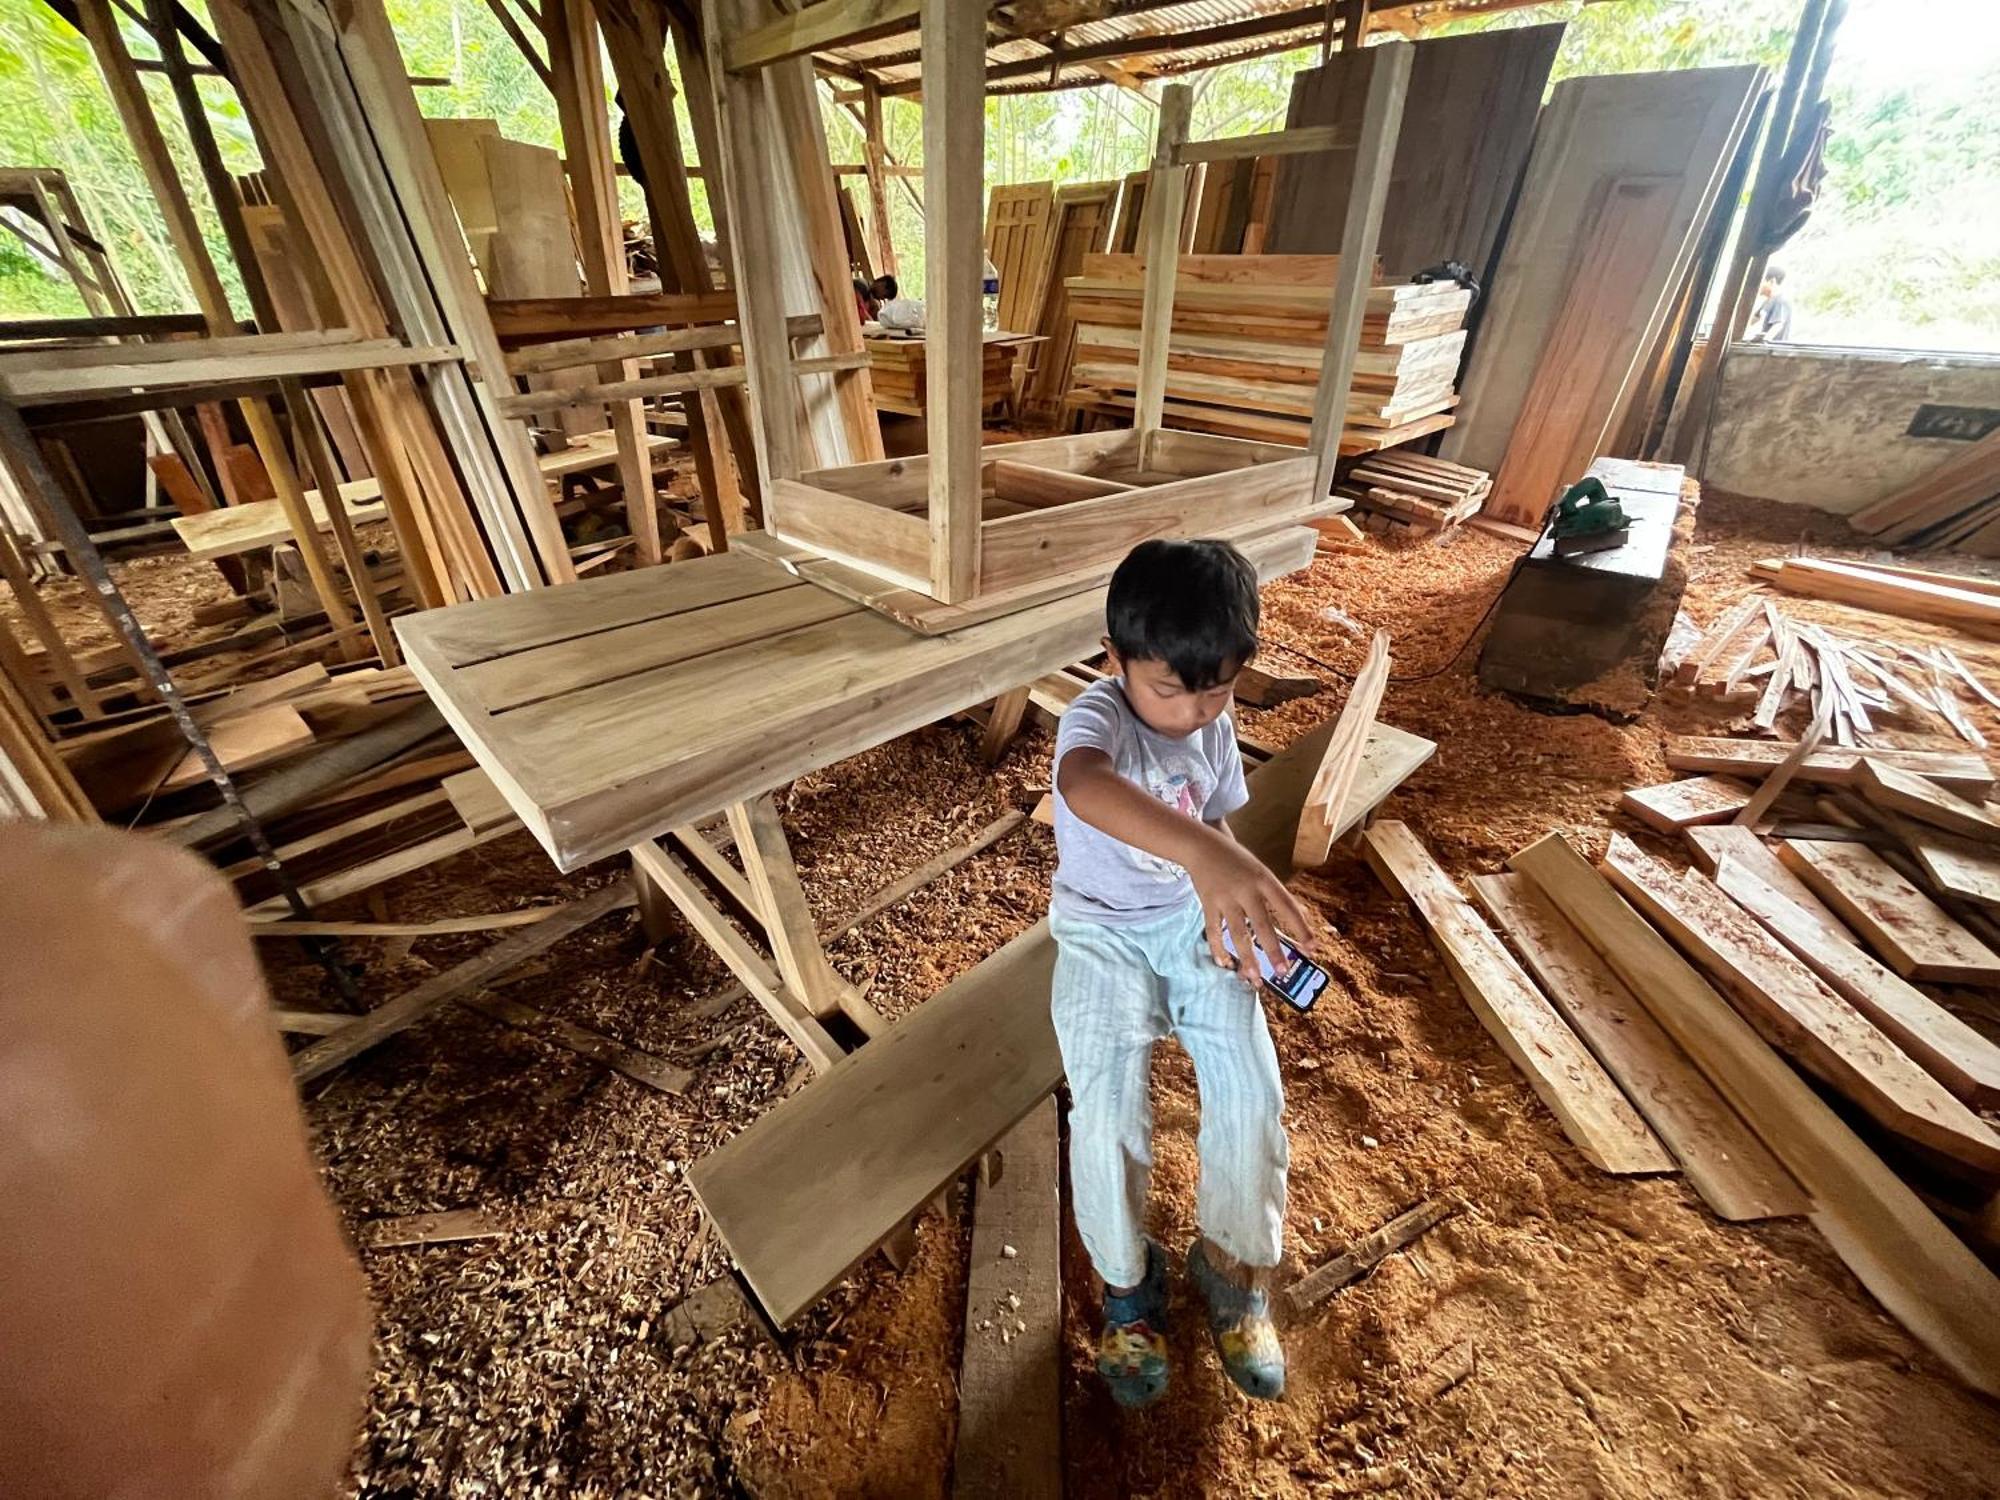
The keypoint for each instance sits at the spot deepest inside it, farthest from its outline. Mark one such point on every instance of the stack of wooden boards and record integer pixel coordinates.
(1583, 335)
(1244, 356)
(1956, 505)
(1970, 605)
(1407, 492)
(1654, 1025)
(901, 373)
(1757, 653)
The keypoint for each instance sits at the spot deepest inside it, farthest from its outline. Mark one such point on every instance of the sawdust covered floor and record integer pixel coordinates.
(1566, 1334)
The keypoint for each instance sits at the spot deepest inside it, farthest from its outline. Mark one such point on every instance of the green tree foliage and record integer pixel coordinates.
(1903, 247)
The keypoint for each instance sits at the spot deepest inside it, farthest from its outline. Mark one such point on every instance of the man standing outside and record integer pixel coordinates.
(1771, 320)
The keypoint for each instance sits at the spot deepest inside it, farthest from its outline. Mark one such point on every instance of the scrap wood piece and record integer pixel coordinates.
(1921, 1272)
(1010, 1375)
(1772, 786)
(635, 1064)
(1960, 770)
(1945, 696)
(707, 1312)
(1594, 1114)
(1261, 689)
(1314, 1288)
(526, 916)
(1961, 1059)
(1797, 1011)
(1732, 1170)
(310, 1022)
(428, 1229)
(1898, 791)
(1744, 848)
(1326, 799)
(1674, 805)
(1913, 935)
(1696, 664)
(412, 1006)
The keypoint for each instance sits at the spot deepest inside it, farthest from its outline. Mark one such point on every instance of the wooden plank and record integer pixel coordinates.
(1467, 130)
(1921, 1272)
(211, 361)
(1962, 772)
(1326, 800)
(1732, 1170)
(1681, 126)
(1598, 1119)
(1711, 844)
(412, 1006)
(1674, 805)
(1010, 1373)
(805, 1193)
(1910, 932)
(534, 319)
(1944, 1046)
(1797, 1011)
(954, 48)
(1883, 593)
(1969, 871)
(1898, 791)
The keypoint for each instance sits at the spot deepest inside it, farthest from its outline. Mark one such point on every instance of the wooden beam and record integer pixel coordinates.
(1296, 142)
(821, 27)
(1923, 1273)
(954, 45)
(1381, 124)
(1598, 1119)
(1166, 200)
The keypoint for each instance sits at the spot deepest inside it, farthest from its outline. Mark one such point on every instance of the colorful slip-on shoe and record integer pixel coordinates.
(1240, 1321)
(1132, 1350)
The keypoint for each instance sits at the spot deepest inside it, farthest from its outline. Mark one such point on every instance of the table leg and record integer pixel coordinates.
(1003, 722)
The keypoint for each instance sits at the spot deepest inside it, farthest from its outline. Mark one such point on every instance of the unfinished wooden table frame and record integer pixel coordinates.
(947, 527)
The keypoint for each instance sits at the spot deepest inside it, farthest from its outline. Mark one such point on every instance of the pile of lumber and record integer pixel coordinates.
(1758, 654)
(1399, 492)
(900, 372)
(1687, 1019)
(351, 773)
(1248, 334)
(1956, 505)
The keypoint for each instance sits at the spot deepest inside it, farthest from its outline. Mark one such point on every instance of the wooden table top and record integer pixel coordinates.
(612, 709)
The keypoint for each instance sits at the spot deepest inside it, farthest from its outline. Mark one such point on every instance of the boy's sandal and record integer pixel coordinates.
(1132, 1350)
(1239, 1320)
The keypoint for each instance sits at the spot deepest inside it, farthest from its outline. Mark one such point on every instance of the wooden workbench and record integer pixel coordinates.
(614, 713)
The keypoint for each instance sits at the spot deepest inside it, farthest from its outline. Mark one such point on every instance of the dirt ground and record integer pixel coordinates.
(1565, 1334)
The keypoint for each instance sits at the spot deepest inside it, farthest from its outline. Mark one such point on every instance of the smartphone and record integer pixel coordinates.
(1303, 981)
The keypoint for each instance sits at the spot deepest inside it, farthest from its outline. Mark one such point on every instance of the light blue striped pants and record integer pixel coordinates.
(1117, 991)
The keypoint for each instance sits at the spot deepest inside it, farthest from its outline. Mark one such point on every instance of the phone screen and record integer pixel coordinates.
(1302, 982)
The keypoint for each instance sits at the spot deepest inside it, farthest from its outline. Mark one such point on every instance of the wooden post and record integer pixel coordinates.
(1381, 122)
(1353, 25)
(1166, 199)
(873, 154)
(954, 53)
(577, 79)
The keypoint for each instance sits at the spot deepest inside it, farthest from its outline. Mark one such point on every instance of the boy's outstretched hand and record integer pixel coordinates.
(1236, 890)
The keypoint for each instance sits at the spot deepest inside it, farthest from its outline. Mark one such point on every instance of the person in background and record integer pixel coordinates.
(1771, 320)
(864, 300)
(893, 310)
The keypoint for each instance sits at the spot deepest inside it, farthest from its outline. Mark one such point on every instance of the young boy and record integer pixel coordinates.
(1148, 878)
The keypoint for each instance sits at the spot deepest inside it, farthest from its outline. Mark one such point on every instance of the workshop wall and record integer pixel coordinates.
(1829, 427)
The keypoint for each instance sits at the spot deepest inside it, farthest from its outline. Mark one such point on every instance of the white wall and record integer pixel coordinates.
(1826, 427)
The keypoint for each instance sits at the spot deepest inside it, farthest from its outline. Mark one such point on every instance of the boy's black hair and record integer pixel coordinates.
(1775, 275)
(887, 285)
(1192, 605)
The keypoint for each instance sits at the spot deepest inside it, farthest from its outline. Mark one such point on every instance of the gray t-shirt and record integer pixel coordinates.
(1100, 879)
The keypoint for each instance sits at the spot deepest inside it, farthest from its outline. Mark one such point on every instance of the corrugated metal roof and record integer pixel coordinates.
(1179, 37)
